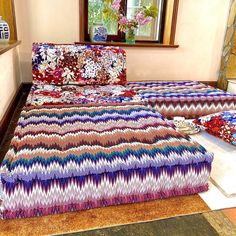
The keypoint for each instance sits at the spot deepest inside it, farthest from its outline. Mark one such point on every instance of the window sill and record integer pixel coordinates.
(4, 47)
(137, 44)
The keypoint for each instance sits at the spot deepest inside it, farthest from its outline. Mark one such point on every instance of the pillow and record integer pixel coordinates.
(65, 64)
(222, 125)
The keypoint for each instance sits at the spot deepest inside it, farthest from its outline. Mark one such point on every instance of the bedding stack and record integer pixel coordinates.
(70, 154)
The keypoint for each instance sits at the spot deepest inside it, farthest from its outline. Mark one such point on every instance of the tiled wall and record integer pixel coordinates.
(228, 59)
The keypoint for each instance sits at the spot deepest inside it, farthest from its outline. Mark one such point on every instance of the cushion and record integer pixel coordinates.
(222, 125)
(190, 99)
(44, 94)
(78, 64)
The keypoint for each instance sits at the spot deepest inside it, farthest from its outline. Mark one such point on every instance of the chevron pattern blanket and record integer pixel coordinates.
(189, 99)
(73, 158)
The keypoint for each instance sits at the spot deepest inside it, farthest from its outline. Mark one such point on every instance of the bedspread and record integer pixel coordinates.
(189, 99)
(73, 158)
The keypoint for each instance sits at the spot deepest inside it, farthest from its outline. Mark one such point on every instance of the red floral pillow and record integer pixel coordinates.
(78, 64)
(221, 125)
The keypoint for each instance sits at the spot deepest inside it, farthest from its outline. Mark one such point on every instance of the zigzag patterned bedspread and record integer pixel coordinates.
(72, 158)
(190, 99)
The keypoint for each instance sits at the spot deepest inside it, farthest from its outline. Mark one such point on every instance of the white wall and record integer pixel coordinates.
(200, 33)
(9, 78)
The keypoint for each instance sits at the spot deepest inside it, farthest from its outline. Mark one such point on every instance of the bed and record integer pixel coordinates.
(69, 156)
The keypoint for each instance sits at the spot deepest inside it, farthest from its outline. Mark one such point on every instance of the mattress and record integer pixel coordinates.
(70, 158)
(189, 99)
(42, 94)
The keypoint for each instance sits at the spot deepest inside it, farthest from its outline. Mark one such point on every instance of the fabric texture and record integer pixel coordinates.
(78, 64)
(190, 99)
(221, 125)
(73, 158)
(89, 94)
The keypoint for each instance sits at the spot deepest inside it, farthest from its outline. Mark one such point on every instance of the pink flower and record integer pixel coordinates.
(116, 5)
(123, 21)
(142, 20)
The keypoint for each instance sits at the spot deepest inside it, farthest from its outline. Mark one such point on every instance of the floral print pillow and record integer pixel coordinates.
(78, 64)
(222, 125)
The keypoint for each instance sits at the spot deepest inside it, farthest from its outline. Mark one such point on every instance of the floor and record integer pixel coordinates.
(206, 224)
(214, 198)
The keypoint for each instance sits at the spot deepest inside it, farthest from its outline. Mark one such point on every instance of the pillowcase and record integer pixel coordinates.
(221, 125)
(64, 64)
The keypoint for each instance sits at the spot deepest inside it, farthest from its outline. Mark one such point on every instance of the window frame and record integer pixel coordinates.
(168, 26)
(119, 37)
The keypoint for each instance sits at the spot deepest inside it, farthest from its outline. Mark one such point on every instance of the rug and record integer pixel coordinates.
(223, 173)
(211, 224)
(104, 217)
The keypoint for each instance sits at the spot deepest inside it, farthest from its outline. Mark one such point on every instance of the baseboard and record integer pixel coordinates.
(24, 87)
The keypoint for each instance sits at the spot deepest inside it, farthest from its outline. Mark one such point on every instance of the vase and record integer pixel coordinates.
(98, 33)
(130, 36)
(4, 31)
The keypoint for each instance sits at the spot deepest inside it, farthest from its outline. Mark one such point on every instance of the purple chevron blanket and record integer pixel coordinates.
(73, 158)
(190, 99)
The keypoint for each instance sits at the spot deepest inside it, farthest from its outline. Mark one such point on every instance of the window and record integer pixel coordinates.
(157, 31)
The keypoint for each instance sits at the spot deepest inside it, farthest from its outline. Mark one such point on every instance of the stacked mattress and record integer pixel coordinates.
(86, 138)
(189, 99)
(72, 158)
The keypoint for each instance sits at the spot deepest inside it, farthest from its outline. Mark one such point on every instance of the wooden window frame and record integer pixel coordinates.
(168, 29)
(119, 37)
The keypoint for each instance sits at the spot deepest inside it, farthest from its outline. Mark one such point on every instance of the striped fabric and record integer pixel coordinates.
(190, 99)
(72, 158)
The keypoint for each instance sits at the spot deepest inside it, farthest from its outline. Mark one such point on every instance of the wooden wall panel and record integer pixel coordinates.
(7, 11)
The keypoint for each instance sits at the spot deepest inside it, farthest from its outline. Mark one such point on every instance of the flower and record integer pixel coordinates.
(123, 21)
(116, 5)
(144, 16)
(142, 19)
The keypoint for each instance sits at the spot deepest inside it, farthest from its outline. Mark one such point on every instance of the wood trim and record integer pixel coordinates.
(8, 46)
(174, 22)
(81, 20)
(168, 27)
(170, 21)
(4, 123)
(7, 11)
(84, 35)
(123, 44)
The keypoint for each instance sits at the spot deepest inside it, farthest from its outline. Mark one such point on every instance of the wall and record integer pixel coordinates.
(200, 34)
(9, 78)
